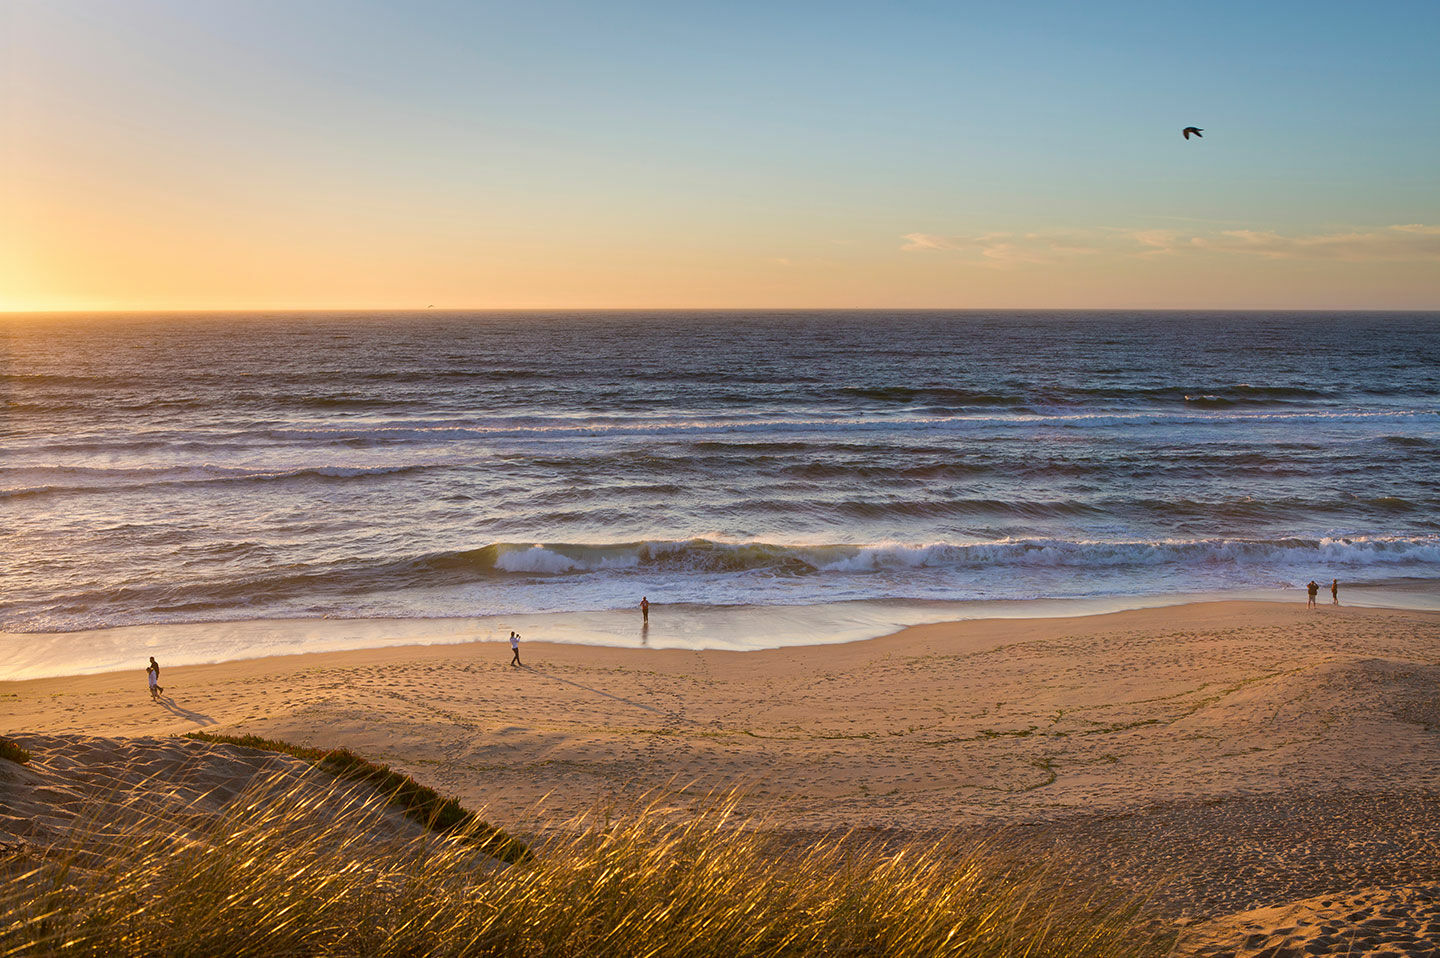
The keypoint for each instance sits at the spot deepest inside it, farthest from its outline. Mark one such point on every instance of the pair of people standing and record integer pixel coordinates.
(1314, 589)
(152, 673)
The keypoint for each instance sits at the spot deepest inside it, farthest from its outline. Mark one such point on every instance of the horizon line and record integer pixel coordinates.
(231, 310)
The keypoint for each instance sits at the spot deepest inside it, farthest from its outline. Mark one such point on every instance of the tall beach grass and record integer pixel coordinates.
(418, 802)
(273, 876)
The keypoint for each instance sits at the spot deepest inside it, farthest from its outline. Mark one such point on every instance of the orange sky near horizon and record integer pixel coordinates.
(171, 156)
(135, 255)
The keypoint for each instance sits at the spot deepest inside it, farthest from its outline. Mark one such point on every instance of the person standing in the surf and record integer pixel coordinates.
(1314, 589)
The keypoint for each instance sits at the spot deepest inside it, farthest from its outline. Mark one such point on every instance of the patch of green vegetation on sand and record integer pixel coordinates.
(13, 752)
(419, 802)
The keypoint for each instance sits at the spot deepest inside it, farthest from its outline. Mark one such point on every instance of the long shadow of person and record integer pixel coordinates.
(609, 695)
(168, 704)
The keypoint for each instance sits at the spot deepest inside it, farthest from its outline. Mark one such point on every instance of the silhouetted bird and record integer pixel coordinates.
(1191, 129)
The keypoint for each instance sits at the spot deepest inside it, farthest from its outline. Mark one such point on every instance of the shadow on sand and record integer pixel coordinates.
(168, 704)
(617, 698)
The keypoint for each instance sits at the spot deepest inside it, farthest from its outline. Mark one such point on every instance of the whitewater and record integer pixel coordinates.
(168, 469)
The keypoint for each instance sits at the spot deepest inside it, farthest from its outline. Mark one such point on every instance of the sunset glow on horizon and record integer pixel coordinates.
(326, 155)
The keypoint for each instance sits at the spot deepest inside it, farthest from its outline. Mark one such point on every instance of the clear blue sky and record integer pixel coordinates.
(746, 153)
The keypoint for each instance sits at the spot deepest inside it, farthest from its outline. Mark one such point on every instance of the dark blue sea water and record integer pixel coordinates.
(181, 468)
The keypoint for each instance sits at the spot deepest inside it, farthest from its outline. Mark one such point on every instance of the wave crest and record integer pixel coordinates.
(710, 556)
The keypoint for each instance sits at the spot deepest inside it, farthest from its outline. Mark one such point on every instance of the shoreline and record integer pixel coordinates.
(1227, 697)
(39, 655)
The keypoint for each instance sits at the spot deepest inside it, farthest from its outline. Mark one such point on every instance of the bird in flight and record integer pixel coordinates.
(1192, 129)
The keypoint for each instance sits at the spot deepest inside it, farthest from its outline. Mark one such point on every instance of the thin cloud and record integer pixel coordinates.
(1155, 242)
(1406, 242)
(1411, 241)
(1007, 249)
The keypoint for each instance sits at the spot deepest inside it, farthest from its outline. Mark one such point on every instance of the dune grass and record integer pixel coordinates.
(304, 752)
(13, 752)
(271, 877)
(419, 802)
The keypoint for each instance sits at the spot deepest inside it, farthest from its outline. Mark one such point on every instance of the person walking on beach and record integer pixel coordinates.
(1334, 591)
(1314, 590)
(644, 610)
(514, 647)
(152, 673)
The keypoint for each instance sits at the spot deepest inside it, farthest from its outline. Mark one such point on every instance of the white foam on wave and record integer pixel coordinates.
(512, 577)
(538, 559)
(1356, 551)
(702, 555)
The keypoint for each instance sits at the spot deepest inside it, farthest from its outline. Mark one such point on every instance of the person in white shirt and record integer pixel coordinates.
(515, 648)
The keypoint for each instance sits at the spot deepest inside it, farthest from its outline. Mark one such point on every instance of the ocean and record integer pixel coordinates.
(175, 468)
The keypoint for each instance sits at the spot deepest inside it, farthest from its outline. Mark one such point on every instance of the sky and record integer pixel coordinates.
(308, 154)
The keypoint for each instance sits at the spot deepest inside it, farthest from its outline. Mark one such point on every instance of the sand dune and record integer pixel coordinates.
(90, 785)
(1227, 756)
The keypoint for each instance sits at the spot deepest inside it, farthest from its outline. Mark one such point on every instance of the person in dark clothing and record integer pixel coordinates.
(1314, 588)
(1334, 591)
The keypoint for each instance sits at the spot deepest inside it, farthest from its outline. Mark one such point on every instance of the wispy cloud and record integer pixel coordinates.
(1009, 249)
(1411, 241)
(1155, 242)
(1407, 242)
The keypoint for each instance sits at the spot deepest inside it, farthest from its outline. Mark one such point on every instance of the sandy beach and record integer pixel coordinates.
(970, 395)
(1244, 762)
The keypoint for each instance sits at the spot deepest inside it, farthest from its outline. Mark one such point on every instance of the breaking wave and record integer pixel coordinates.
(878, 570)
(704, 555)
